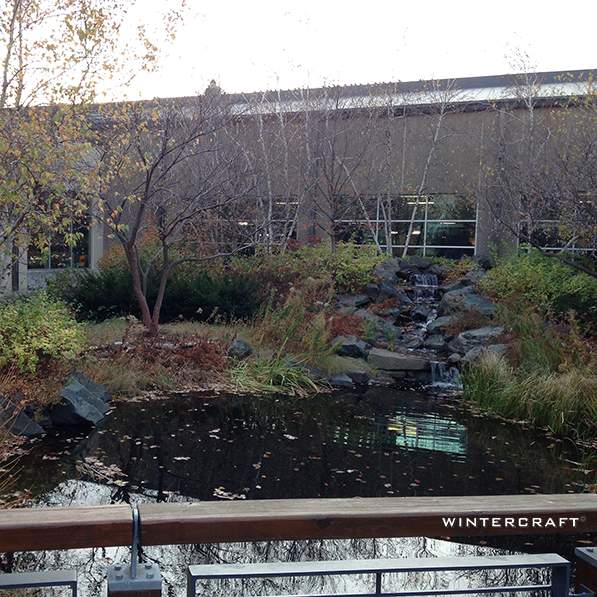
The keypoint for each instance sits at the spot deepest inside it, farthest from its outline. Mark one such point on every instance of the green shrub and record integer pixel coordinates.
(35, 326)
(530, 281)
(194, 293)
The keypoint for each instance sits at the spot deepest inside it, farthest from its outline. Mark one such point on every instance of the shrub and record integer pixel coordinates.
(534, 282)
(35, 326)
(194, 293)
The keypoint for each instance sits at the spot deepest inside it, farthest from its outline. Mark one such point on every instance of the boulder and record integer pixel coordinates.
(439, 325)
(95, 388)
(16, 421)
(387, 290)
(358, 376)
(462, 283)
(392, 265)
(393, 361)
(419, 262)
(415, 343)
(372, 291)
(385, 274)
(78, 406)
(353, 300)
(483, 261)
(452, 301)
(465, 341)
(239, 349)
(381, 326)
(435, 342)
(340, 381)
(352, 347)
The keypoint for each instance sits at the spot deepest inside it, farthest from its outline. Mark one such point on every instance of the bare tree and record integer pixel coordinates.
(545, 181)
(175, 167)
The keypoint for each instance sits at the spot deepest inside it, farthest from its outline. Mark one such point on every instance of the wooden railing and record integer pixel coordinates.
(270, 520)
(34, 529)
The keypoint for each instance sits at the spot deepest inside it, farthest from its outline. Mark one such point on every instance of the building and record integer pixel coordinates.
(445, 168)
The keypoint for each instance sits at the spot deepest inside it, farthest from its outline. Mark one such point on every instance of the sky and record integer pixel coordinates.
(265, 44)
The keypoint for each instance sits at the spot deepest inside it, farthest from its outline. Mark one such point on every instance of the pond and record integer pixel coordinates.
(385, 442)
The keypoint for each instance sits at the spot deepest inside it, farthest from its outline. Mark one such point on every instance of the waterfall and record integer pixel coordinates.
(424, 287)
(445, 376)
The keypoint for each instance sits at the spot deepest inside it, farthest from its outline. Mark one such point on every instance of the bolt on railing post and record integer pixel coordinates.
(126, 581)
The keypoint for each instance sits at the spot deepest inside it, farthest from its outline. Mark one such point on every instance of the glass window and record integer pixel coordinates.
(70, 249)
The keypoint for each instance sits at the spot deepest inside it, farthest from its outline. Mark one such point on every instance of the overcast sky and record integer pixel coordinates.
(268, 44)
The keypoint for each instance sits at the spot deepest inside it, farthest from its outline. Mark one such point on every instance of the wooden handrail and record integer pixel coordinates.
(32, 529)
(271, 520)
(268, 520)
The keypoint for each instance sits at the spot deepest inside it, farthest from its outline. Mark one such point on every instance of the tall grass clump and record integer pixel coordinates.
(564, 402)
(277, 374)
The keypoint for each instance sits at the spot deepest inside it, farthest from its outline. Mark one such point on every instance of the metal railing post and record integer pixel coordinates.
(126, 580)
(586, 570)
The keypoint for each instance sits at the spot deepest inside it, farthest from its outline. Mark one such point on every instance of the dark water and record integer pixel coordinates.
(382, 443)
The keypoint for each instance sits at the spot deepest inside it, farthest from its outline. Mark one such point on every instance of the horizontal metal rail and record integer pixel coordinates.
(559, 585)
(271, 520)
(26, 580)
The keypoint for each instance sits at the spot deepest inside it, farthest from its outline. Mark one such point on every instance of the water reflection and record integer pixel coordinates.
(384, 443)
(199, 447)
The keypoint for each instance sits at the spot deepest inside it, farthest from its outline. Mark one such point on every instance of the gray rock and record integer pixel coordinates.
(239, 349)
(480, 303)
(439, 325)
(454, 358)
(483, 261)
(465, 341)
(475, 275)
(358, 377)
(392, 265)
(95, 388)
(382, 326)
(462, 283)
(393, 361)
(385, 274)
(499, 349)
(421, 313)
(473, 354)
(16, 421)
(340, 381)
(352, 347)
(435, 342)
(414, 343)
(452, 301)
(435, 269)
(420, 262)
(78, 406)
(372, 291)
(387, 290)
(353, 300)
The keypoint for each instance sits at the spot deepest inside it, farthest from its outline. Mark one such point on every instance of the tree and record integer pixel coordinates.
(59, 57)
(180, 169)
(545, 178)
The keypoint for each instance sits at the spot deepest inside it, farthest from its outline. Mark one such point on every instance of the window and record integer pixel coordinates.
(62, 250)
(442, 225)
